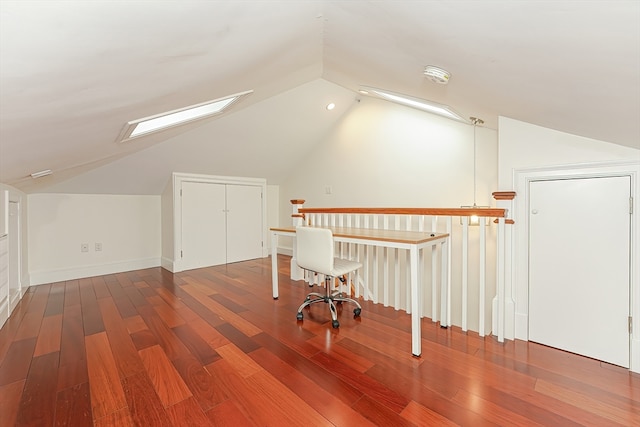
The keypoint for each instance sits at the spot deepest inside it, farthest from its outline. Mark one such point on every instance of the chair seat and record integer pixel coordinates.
(343, 266)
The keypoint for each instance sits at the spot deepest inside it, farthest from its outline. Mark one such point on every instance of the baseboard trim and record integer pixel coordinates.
(167, 264)
(285, 251)
(50, 276)
(522, 326)
(634, 363)
(4, 311)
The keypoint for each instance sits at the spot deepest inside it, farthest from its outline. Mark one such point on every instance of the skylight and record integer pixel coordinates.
(159, 122)
(421, 104)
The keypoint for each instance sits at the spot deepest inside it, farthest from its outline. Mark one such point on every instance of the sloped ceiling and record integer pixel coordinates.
(72, 73)
(264, 140)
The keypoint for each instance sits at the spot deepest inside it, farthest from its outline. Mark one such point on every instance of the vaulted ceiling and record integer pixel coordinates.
(72, 73)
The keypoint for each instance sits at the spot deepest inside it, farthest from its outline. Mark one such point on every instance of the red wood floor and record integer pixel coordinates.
(210, 347)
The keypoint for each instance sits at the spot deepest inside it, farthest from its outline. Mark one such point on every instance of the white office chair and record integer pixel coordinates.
(315, 253)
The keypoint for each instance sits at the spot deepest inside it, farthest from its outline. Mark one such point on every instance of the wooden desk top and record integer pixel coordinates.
(396, 236)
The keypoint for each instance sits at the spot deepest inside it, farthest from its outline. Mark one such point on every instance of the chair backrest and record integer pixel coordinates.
(314, 249)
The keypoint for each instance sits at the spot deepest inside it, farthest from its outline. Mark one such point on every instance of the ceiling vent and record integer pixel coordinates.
(437, 74)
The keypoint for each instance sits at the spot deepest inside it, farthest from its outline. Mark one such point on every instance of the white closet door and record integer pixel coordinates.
(244, 222)
(579, 266)
(203, 225)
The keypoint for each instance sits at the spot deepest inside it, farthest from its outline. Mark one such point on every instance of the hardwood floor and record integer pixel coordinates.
(211, 347)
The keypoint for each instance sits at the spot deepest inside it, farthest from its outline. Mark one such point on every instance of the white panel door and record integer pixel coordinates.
(244, 222)
(203, 225)
(579, 272)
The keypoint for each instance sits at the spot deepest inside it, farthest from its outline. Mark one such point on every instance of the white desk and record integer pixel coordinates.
(413, 241)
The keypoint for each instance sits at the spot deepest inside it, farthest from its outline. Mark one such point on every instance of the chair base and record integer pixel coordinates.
(331, 299)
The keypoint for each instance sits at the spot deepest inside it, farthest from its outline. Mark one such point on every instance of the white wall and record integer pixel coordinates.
(526, 146)
(273, 211)
(135, 232)
(127, 226)
(383, 154)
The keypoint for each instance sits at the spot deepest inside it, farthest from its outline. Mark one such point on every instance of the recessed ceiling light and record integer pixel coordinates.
(331, 106)
(437, 74)
(159, 122)
(41, 173)
(421, 104)
(364, 92)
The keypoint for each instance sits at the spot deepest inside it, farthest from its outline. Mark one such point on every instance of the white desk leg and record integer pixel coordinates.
(416, 345)
(274, 264)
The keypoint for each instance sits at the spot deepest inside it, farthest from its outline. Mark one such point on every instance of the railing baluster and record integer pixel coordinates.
(375, 279)
(407, 226)
(366, 251)
(421, 291)
(483, 277)
(385, 267)
(434, 275)
(500, 276)
(448, 257)
(465, 269)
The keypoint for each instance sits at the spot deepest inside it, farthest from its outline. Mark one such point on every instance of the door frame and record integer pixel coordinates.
(15, 254)
(179, 178)
(520, 239)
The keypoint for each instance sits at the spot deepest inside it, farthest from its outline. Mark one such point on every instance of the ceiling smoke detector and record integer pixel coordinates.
(437, 75)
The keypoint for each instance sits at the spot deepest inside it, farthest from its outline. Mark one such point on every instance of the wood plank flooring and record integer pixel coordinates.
(210, 347)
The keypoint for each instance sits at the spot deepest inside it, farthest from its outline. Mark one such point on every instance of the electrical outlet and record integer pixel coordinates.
(98, 247)
(84, 247)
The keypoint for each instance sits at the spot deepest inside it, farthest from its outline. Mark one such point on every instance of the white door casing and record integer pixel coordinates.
(254, 222)
(15, 254)
(518, 259)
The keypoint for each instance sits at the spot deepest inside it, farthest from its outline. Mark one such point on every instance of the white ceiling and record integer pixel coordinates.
(72, 73)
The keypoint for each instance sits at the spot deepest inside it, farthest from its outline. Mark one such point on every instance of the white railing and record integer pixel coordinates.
(476, 264)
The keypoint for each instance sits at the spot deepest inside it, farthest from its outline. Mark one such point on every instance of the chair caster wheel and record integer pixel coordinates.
(356, 312)
(335, 324)
(299, 316)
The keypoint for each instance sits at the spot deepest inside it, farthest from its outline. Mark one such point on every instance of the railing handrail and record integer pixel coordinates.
(483, 212)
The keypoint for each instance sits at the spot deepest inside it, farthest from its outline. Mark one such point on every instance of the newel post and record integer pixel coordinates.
(297, 219)
(503, 307)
